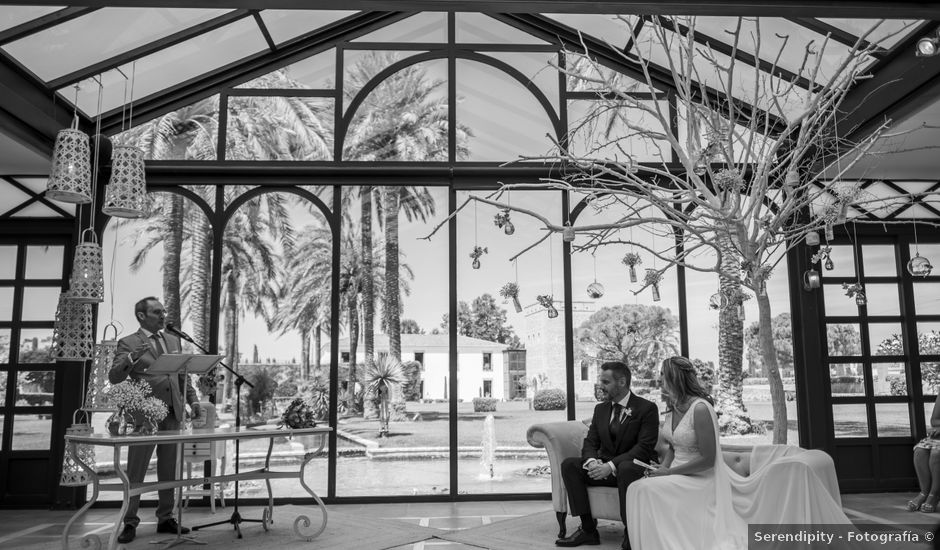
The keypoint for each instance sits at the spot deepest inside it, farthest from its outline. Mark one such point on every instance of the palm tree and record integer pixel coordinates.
(381, 379)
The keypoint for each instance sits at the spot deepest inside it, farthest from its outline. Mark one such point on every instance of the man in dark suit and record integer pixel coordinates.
(624, 427)
(134, 355)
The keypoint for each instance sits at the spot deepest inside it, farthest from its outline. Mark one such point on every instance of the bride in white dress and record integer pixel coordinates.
(686, 503)
(694, 501)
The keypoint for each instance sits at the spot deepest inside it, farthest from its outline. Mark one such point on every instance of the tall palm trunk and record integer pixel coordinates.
(730, 403)
(368, 292)
(172, 250)
(201, 274)
(392, 290)
(318, 353)
(772, 369)
(231, 332)
(352, 376)
(305, 353)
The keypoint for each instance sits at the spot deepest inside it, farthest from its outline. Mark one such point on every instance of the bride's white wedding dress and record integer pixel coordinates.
(711, 510)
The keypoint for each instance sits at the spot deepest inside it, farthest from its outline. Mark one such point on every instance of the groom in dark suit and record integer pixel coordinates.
(133, 356)
(624, 427)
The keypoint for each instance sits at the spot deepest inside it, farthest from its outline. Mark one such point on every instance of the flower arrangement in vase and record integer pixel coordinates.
(631, 260)
(510, 291)
(548, 302)
(297, 415)
(137, 409)
(652, 278)
(502, 221)
(477, 252)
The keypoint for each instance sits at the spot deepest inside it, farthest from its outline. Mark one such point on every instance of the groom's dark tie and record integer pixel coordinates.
(615, 420)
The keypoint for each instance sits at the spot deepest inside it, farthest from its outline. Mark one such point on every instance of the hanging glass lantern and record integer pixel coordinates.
(812, 238)
(700, 167)
(87, 282)
(124, 197)
(717, 301)
(72, 332)
(552, 312)
(73, 475)
(476, 263)
(567, 234)
(70, 178)
(509, 228)
(860, 298)
(829, 264)
(919, 266)
(595, 290)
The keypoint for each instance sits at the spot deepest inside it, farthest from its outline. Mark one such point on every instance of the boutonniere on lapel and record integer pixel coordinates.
(627, 413)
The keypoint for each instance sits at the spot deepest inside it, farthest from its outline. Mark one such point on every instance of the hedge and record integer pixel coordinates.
(549, 400)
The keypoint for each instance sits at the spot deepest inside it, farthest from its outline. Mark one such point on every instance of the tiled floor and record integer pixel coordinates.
(20, 527)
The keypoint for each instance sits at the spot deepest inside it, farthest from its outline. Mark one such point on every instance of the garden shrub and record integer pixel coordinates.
(411, 387)
(484, 404)
(549, 400)
(847, 384)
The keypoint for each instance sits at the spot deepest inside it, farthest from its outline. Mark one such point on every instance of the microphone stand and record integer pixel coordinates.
(236, 520)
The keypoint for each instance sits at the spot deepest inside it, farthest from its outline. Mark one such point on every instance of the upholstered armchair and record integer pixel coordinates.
(814, 468)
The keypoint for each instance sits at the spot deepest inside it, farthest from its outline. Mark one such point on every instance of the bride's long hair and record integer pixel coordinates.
(679, 375)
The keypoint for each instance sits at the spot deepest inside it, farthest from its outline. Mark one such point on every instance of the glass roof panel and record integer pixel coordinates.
(287, 24)
(602, 130)
(174, 65)
(188, 133)
(316, 72)
(503, 118)
(888, 33)
(360, 66)
(101, 34)
(279, 128)
(423, 27)
(11, 16)
(478, 28)
(535, 66)
(613, 29)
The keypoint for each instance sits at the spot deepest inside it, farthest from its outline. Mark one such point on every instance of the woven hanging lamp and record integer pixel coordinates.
(70, 179)
(96, 397)
(124, 196)
(72, 335)
(86, 284)
(73, 475)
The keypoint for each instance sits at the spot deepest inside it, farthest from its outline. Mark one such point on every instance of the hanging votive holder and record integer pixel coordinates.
(860, 298)
(516, 304)
(72, 332)
(829, 264)
(509, 228)
(73, 474)
(70, 178)
(919, 266)
(568, 234)
(812, 238)
(656, 296)
(595, 290)
(475, 264)
(125, 194)
(552, 312)
(96, 397)
(87, 282)
(700, 166)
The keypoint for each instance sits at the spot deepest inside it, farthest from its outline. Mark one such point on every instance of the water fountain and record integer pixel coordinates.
(488, 452)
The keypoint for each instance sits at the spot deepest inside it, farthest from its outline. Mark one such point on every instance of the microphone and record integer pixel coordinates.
(173, 330)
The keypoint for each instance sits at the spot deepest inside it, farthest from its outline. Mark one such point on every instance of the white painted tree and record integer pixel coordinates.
(732, 173)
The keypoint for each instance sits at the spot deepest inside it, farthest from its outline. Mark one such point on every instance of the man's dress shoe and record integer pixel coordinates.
(170, 526)
(578, 538)
(128, 534)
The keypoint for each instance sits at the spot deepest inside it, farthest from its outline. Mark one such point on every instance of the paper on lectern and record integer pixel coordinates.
(170, 363)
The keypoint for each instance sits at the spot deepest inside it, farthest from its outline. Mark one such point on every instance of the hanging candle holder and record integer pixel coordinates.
(829, 264)
(548, 302)
(857, 291)
(652, 279)
(127, 187)
(919, 266)
(700, 167)
(87, 282)
(567, 233)
(96, 397)
(631, 260)
(72, 332)
(70, 178)
(477, 252)
(595, 290)
(812, 238)
(73, 474)
(717, 301)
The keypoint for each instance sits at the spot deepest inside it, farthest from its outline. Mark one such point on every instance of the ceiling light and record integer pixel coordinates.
(928, 46)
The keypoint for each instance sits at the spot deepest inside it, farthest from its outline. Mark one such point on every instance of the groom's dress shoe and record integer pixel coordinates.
(625, 545)
(578, 538)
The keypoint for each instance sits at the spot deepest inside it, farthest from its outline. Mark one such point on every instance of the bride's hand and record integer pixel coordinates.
(658, 472)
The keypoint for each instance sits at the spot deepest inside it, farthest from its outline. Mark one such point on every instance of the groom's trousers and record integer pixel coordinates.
(577, 481)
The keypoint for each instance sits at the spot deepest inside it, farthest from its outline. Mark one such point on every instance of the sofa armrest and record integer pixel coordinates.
(560, 440)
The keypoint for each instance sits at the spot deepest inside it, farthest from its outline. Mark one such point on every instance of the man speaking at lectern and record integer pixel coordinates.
(134, 355)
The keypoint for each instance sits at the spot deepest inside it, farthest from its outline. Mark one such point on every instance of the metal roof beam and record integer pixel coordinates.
(42, 23)
(862, 9)
(835, 33)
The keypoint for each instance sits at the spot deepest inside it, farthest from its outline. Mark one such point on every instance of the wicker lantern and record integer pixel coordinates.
(71, 339)
(87, 282)
(70, 179)
(73, 475)
(96, 397)
(124, 197)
